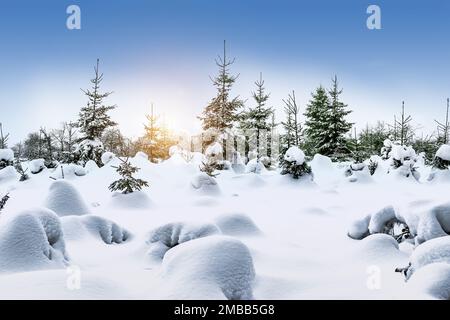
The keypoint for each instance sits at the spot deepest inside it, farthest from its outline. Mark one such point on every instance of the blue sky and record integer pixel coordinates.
(163, 51)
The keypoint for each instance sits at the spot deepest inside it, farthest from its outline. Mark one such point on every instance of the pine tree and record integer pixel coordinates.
(403, 131)
(152, 136)
(93, 120)
(443, 128)
(3, 138)
(316, 121)
(220, 114)
(127, 183)
(256, 120)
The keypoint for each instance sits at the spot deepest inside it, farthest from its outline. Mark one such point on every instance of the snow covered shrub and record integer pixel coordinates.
(32, 240)
(89, 150)
(205, 183)
(36, 166)
(213, 156)
(6, 158)
(236, 224)
(255, 166)
(3, 201)
(442, 158)
(107, 157)
(432, 280)
(403, 159)
(106, 230)
(434, 251)
(216, 267)
(19, 168)
(433, 223)
(386, 149)
(128, 183)
(373, 165)
(64, 199)
(172, 234)
(237, 164)
(293, 163)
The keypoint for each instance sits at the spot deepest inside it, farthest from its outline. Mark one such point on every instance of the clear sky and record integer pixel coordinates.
(163, 51)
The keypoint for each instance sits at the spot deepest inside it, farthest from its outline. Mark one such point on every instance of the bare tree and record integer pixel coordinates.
(444, 128)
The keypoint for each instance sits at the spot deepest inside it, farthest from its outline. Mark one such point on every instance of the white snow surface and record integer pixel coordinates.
(6, 155)
(107, 157)
(267, 236)
(294, 154)
(443, 152)
(36, 165)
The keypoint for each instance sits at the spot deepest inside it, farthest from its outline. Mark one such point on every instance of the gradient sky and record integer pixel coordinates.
(163, 51)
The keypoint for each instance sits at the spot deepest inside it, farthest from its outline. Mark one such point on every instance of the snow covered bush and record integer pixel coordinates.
(386, 149)
(68, 171)
(6, 158)
(36, 165)
(106, 230)
(172, 234)
(255, 166)
(213, 156)
(372, 166)
(237, 224)
(127, 183)
(237, 164)
(403, 159)
(107, 157)
(442, 158)
(22, 172)
(216, 267)
(89, 150)
(3, 201)
(294, 163)
(433, 223)
(205, 183)
(64, 199)
(32, 240)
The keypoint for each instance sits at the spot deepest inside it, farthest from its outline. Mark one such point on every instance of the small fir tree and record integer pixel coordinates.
(127, 183)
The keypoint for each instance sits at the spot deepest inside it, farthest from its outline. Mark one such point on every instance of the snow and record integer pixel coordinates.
(6, 155)
(236, 224)
(433, 251)
(434, 223)
(64, 171)
(255, 166)
(214, 149)
(36, 165)
(107, 157)
(205, 184)
(64, 199)
(8, 173)
(90, 166)
(444, 152)
(215, 267)
(432, 281)
(32, 240)
(294, 154)
(402, 153)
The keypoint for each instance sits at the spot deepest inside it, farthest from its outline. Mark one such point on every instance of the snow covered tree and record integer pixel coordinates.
(23, 173)
(443, 128)
(33, 146)
(256, 120)
(93, 120)
(127, 183)
(48, 149)
(3, 201)
(316, 120)
(3, 138)
(402, 129)
(220, 114)
(442, 158)
(114, 141)
(294, 163)
(292, 127)
(6, 158)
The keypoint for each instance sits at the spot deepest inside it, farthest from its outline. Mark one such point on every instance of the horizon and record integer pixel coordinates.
(151, 53)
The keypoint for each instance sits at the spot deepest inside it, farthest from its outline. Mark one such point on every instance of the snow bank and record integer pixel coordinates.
(133, 200)
(69, 170)
(323, 170)
(359, 229)
(170, 235)
(205, 184)
(444, 152)
(294, 154)
(432, 280)
(434, 223)
(255, 166)
(215, 267)
(214, 149)
(107, 157)
(6, 155)
(237, 224)
(65, 200)
(378, 248)
(36, 165)
(32, 240)
(90, 166)
(8, 173)
(78, 227)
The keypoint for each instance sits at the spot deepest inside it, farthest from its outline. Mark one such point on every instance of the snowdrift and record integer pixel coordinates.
(237, 224)
(64, 199)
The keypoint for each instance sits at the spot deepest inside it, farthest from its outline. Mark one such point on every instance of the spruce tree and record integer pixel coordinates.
(443, 128)
(93, 119)
(316, 121)
(3, 138)
(220, 114)
(152, 136)
(127, 183)
(292, 126)
(256, 119)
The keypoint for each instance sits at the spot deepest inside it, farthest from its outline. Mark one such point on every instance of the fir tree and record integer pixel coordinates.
(294, 163)
(127, 183)
(316, 121)
(220, 114)
(3, 138)
(3, 201)
(256, 120)
(403, 132)
(152, 137)
(443, 128)
(23, 173)
(292, 126)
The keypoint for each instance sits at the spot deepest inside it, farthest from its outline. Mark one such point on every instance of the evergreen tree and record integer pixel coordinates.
(127, 183)
(3, 201)
(402, 129)
(292, 127)
(220, 114)
(3, 138)
(256, 120)
(23, 173)
(316, 121)
(152, 137)
(443, 128)
(93, 120)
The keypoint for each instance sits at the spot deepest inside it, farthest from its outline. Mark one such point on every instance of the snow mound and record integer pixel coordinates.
(402, 153)
(255, 166)
(90, 166)
(237, 224)
(214, 149)
(444, 152)
(6, 155)
(434, 223)
(32, 240)
(433, 251)
(107, 157)
(36, 165)
(433, 280)
(134, 200)
(205, 184)
(65, 200)
(8, 173)
(323, 170)
(170, 235)
(379, 247)
(216, 267)
(359, 229)
(69, 170)
(294, 154)
(108, 231)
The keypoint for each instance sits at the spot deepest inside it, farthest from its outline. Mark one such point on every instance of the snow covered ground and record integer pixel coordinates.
(251, 236)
